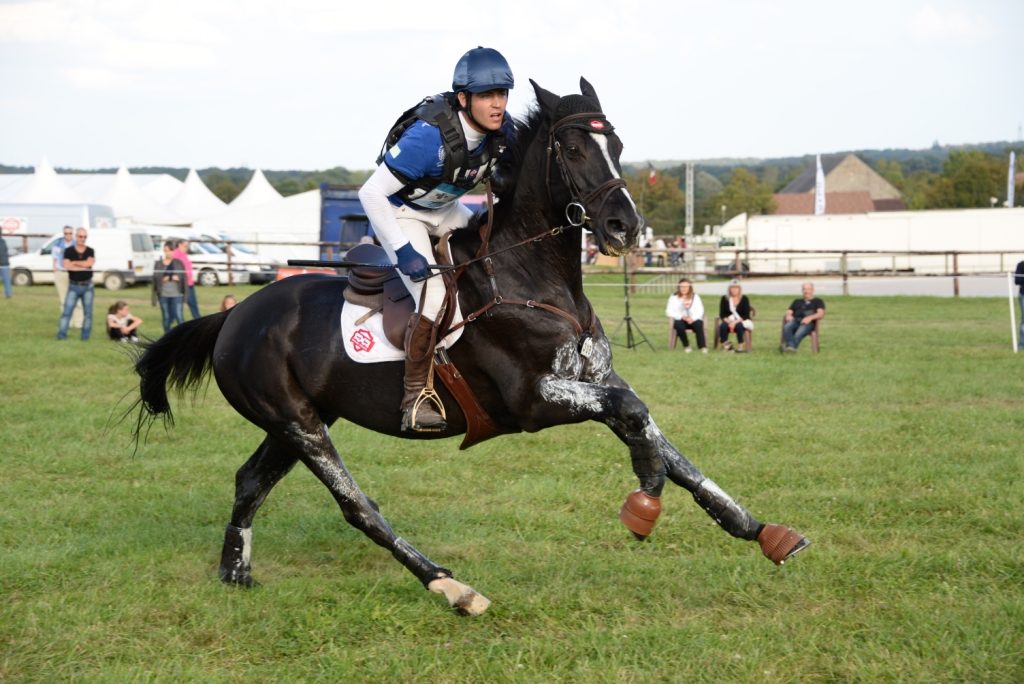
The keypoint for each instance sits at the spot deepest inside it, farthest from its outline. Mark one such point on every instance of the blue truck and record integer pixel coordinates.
(343, 223)
(342, 220)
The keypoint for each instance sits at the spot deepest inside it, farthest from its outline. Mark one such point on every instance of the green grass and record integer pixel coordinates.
(897, 450)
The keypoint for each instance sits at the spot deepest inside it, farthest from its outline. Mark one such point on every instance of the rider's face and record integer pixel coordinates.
(487, 109)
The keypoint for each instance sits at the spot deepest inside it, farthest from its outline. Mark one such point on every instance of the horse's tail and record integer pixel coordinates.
(180, 359)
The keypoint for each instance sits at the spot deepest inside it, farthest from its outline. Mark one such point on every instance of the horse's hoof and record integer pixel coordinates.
(238, 579)
(779, 543)
(639, 513)
(639, 537)
(462, 597)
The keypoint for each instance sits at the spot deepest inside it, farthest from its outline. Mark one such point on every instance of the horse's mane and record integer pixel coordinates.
(510, 165)
(526, 131)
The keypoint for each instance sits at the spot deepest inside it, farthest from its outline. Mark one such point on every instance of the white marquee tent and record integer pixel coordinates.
(129, 202)
(44, 186)
(194, 200)
(160, 186)
(257, 191)
(287, 219)
(91, 186)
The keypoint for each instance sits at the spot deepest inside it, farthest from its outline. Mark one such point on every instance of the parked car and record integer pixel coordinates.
(210, 265)
(122, 258)
(261, 269)
(209, 262)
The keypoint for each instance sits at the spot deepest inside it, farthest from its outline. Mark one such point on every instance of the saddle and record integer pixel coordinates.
(376, 284)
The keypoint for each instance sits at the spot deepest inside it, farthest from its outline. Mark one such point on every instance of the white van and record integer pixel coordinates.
(122, 258)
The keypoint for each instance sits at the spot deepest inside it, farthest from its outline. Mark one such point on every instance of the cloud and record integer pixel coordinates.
(933, 24)
(99, 79)
(108, 44)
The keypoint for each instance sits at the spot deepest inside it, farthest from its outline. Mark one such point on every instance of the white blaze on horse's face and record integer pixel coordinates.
(602, 143)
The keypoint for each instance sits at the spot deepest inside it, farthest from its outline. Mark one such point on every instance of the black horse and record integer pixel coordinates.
(278, 356)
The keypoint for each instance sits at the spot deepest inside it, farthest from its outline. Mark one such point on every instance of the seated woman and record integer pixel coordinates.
(121, 324)
(687, 313)
(734, 312)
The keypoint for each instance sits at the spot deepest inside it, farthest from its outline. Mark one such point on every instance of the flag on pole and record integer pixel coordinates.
(819, 189)
(1011, 177)
(652, 177)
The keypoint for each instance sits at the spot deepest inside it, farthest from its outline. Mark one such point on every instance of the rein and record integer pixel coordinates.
(575, 214)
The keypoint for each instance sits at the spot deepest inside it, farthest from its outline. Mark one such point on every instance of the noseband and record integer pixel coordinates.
(576, 210)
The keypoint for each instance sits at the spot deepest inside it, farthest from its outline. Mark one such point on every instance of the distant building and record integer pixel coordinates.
(851, 187)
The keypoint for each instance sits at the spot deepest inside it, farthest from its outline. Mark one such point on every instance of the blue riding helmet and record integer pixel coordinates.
(482, 69)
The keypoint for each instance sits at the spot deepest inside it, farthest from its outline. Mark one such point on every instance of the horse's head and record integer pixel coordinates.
(583, 172)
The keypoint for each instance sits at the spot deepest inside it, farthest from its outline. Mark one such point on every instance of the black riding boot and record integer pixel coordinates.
(419, 412)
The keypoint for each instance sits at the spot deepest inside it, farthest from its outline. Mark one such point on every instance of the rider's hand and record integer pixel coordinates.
(411, 262)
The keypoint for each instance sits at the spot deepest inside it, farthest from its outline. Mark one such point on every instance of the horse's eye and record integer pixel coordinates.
(573, 151)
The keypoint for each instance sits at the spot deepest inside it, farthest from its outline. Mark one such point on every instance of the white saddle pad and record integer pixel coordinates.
(367, 343)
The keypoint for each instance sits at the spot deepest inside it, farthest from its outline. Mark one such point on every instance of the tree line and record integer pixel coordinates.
(937, 179)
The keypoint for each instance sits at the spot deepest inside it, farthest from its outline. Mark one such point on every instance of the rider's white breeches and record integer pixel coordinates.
(419, 227)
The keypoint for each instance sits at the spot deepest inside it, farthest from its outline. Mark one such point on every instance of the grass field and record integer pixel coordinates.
(897, 450)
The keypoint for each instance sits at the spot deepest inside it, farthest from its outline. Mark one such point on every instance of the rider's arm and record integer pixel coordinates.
(374, 198)
(414, 156)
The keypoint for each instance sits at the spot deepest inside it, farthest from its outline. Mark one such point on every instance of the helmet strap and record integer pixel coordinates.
(468, 109)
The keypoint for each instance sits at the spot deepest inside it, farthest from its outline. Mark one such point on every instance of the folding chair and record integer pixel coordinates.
(815, 335)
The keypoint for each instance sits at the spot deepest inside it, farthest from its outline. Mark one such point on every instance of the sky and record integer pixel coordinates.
(312, 84)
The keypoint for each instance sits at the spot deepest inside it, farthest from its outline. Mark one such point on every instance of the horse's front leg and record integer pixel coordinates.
(613, 403)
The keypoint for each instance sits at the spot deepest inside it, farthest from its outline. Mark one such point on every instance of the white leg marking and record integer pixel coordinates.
(461, 597)
(579, 397)
(315, 445)
(246, 545)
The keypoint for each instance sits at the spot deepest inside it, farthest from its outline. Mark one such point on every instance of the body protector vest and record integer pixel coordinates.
(463, 168)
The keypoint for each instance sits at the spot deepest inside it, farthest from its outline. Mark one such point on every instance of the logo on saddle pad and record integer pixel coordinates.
(362, 340)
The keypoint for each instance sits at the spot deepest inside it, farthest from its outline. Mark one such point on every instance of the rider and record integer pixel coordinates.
(414, 195)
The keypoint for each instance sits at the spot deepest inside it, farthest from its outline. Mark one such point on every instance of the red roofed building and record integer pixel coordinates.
(851, 187)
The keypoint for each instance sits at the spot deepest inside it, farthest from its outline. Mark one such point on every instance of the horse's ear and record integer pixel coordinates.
(588, 89)
(545, 98)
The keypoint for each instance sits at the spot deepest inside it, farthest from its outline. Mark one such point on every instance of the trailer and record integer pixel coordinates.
(918, 241)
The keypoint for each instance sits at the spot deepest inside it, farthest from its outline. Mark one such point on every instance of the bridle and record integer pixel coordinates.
(575, 214)
(576, 210)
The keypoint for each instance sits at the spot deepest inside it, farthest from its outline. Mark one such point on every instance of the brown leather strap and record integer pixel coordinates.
(529, 303)
(479, 424)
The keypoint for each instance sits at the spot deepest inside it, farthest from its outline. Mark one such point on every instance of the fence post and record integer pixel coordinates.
(846, 274)
(231, 272)
(956, 274)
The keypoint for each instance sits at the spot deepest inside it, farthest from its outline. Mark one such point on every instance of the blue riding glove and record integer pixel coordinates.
(411, 262)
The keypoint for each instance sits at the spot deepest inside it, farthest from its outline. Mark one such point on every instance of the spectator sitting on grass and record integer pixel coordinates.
(121, 325)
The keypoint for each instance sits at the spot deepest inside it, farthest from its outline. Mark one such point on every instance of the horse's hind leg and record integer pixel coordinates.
(253, 481)
(319, 455)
